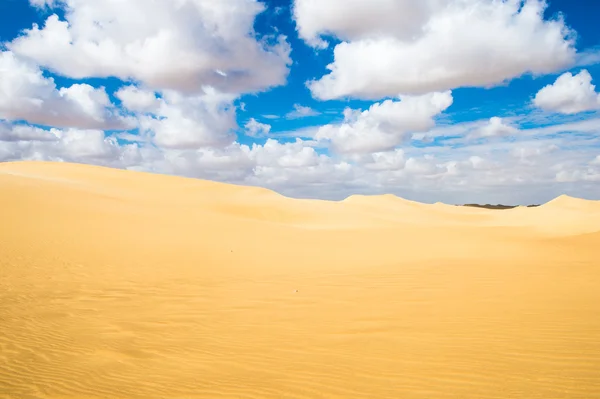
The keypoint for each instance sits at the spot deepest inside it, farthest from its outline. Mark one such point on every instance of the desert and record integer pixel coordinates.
(121, 284)
(299, 199)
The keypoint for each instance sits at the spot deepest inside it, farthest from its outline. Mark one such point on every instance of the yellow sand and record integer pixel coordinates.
(116, 284)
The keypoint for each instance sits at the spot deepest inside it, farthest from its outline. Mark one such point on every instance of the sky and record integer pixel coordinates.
(456, 101)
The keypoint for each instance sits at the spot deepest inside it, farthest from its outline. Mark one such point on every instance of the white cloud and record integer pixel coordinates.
(570, 94)
(182, 122)
(285, 155)
(256, 129)
(384, 125)
(495, 128)
(179, 46)
(231, 163)
(531, 169)
(390, 160)
(274, 164)
(10, 132)
(443, 45)
(583, 126)
(358, 20)
(87, 144)
(19, 142)
(137, 100)
(572, 176)
(295, 167)
(43, 3)
(463, 133)
(25, 94)
(190, 60)
(301, 111)
(421, 166)
(527, 153)
(588, 57)
(480, 163)
(206, 120)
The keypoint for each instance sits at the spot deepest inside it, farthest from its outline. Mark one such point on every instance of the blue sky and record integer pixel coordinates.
(458, 116)
(469, 103)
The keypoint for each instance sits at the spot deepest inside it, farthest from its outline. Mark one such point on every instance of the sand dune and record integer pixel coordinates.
(117, 284)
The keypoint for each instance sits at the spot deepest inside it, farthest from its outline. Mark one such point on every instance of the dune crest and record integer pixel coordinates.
(565, 201)
(120, 284)
(375, 200)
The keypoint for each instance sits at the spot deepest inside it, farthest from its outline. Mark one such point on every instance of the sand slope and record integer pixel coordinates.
(116, 284)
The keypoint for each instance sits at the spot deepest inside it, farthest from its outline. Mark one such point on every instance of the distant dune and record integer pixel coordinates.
(119, 284)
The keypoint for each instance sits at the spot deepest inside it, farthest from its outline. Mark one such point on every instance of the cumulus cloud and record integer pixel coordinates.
(541, 167)
(273, 164)
(138, 100)
(191, 122)
(436, 45)
(570, 94)
(230, 164)
(390, 160)
(384, 125)
(188, 62)
(286, 155)
(179, 46)
(295, 167)
(21, 142)
(495, 128)
(256, 129)
(26, 94)
(86, 144)
(178, 121)
(10, 132)
(361, 19)
(301, 111)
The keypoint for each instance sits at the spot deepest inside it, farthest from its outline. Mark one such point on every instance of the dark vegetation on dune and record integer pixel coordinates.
(498, 206)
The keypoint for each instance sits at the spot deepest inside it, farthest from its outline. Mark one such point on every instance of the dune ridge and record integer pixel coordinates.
(122, 284)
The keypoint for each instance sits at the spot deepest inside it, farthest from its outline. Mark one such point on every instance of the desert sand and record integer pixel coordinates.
(119, 284)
